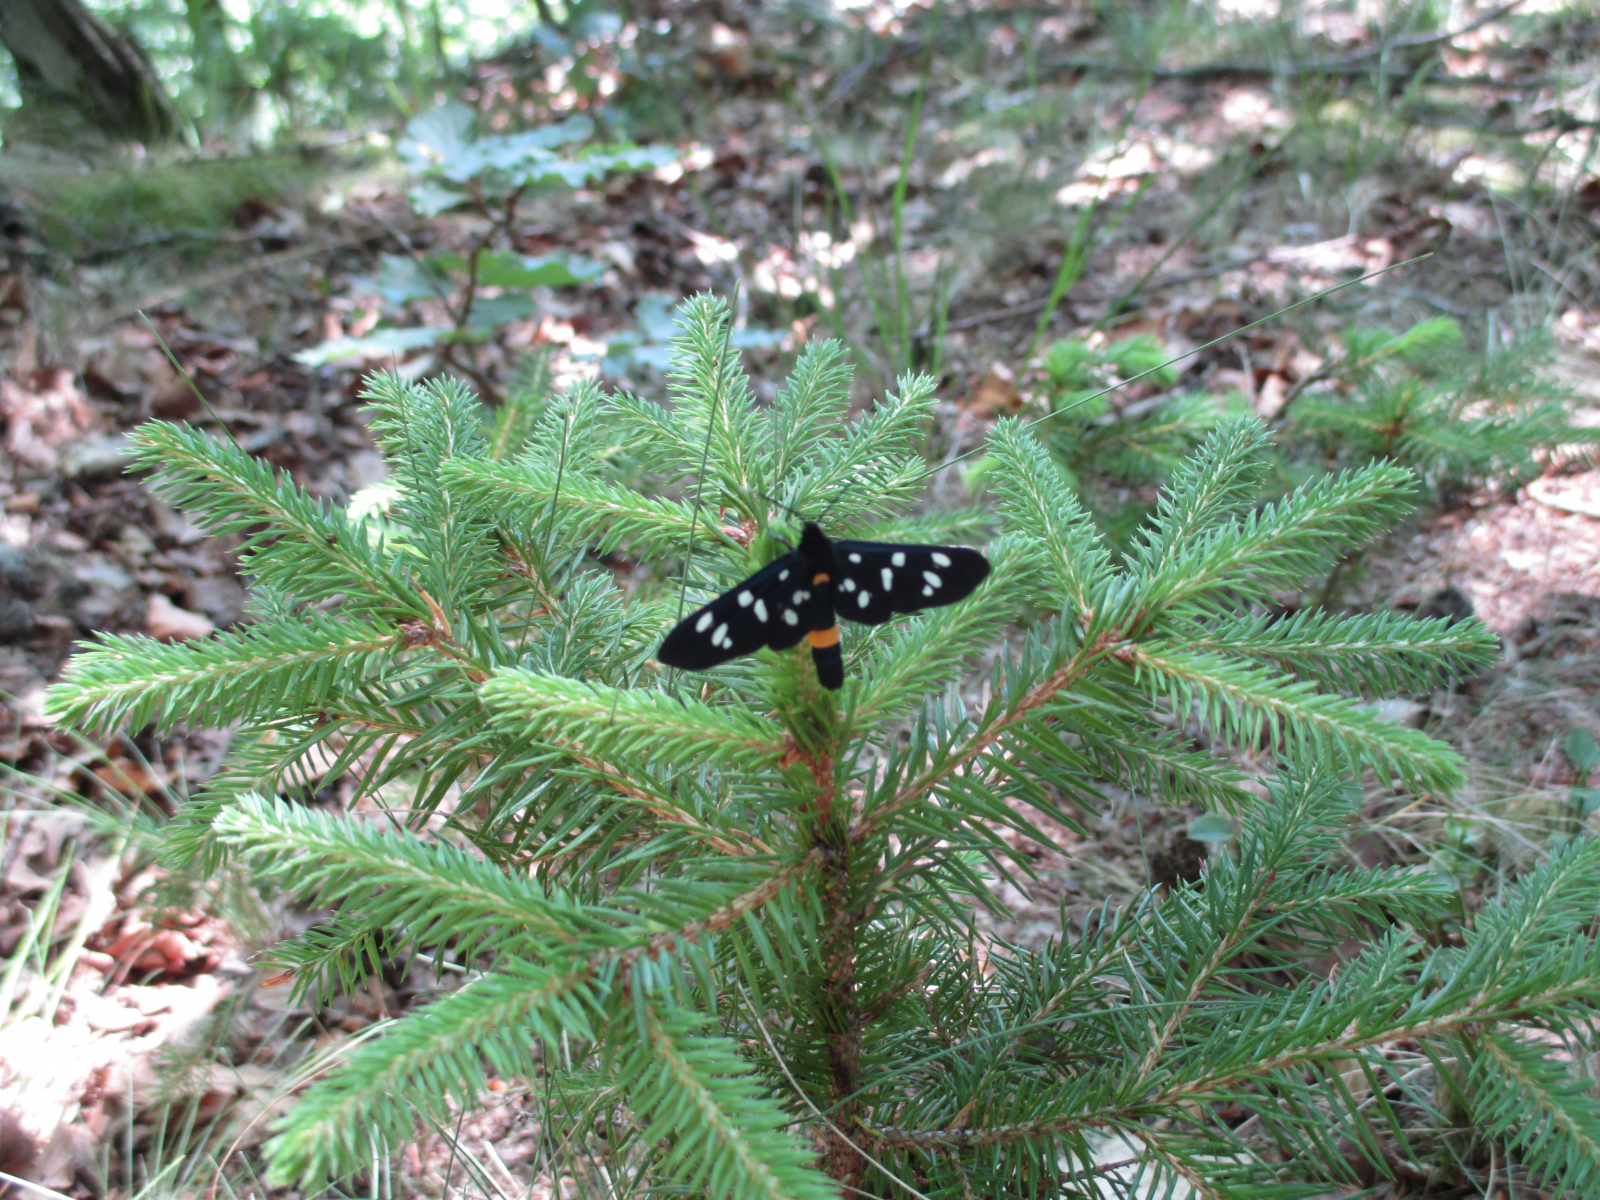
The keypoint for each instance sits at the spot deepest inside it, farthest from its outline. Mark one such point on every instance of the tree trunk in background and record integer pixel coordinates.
(215, 65)
(72, 63)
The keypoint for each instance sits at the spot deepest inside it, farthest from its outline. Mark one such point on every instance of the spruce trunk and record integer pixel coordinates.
(72, 64)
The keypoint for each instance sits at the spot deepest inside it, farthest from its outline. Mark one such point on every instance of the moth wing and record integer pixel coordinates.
(879, 579)
(744, 618)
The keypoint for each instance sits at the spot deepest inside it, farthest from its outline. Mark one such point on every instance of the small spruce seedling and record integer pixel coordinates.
(724, 919)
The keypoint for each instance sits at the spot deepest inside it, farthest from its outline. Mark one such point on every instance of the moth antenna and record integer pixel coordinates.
(837, 500)
(792, 511)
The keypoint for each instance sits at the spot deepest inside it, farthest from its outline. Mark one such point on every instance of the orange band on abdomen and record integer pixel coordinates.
(821, 639)
(819, 577)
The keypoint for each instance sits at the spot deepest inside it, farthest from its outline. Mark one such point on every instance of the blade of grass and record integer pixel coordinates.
(41, 918)
(100, 900)
(1118, 305)
(897, 205)
(1075, 257)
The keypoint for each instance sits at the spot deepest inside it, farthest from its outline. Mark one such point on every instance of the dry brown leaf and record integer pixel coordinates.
(131, 778)
(1270, 396)
(1571, 493)
(993, 395)
(166, 622)
(49, 412)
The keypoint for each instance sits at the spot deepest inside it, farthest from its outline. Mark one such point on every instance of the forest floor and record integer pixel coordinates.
(139, 1016)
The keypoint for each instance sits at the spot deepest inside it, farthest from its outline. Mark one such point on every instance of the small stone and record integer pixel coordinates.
(94, 457)
(19, 570)
(132, 547)
(16, 620)
(1449, 602)
(166, 622)
(994, 395)
(101, 574)
(218, 596)
(174, 401)
(1398, 711)
(365, 468)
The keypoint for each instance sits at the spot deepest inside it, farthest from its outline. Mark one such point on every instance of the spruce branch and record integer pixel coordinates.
(231, 676)
(724, 838)
(1181, 1166)
(1153, 761)
(1246, 703)
(290, 541)
(814, 400)
(1383, 651)
(609, 514)
(725, 1135)
(436, 1054)
(618, 725)
(1002, 716)
(663, 441)
(721, 919)
(1524, 1097)
(957, 525)
(436, 892)
(420, 430)
(872, 467)
(1228, 935)
(1280, 547)
(1220, 479)
(524, 401)
(1039, 500)
(622, 861)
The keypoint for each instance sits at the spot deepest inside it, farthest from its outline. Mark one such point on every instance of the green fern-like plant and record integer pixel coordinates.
(726, 919)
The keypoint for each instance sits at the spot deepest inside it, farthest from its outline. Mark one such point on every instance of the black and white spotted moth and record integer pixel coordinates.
(803, 593)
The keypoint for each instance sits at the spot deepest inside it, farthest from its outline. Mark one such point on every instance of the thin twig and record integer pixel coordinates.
(805, 1099)
(1238, 72)
(211, 279)
(1028, 307)
(486, 387)
(1357, 63)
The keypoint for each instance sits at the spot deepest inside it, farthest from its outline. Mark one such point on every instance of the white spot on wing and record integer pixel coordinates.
(721, 635)
(933, 580)
(789, 617)
(847, 584)
(940, 560)
(744, 599)
(864, 599)
(898, 559)
(761, 611)
(855, 558)
(888, 576)
(801, 597)
(927, 591)
(704, 622)
(783, 574)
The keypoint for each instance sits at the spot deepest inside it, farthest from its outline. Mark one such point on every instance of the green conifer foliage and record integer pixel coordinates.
(726, 918)
(1114, 455)
(1405, 397)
